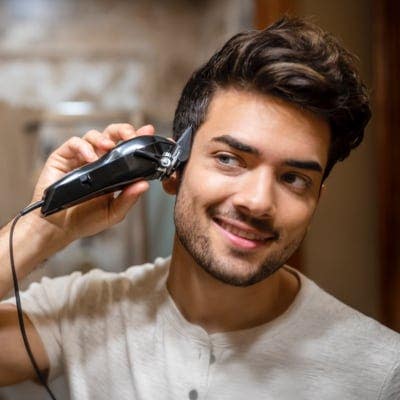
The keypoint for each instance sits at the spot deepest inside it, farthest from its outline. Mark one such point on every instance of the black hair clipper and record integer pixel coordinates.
(141, 158)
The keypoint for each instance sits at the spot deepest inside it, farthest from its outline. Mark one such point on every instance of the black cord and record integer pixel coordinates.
(40, 376)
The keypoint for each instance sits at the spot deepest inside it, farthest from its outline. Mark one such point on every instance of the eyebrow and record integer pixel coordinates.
(238, 145)
(308, 165)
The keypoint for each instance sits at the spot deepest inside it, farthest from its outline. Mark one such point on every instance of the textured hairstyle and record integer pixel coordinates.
(296, 61)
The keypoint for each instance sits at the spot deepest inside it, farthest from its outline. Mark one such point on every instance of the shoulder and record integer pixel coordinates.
(148, 273)
(96, 287)
(349, 339)
(322, 307)
(343, 320)
(136, 280)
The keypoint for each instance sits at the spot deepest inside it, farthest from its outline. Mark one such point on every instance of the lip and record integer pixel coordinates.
(241, 235)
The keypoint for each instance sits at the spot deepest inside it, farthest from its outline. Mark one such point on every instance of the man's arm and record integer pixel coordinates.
(37, 238)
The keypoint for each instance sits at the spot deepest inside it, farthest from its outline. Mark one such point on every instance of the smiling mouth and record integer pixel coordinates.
(239, 236)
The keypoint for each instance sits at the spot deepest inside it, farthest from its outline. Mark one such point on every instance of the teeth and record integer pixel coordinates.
(242, 234)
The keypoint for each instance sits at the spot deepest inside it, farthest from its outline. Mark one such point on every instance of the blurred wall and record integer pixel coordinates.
(341, 251)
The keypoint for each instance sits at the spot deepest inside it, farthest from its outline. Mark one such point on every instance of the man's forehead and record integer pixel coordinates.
(249, 106)
(255, 122)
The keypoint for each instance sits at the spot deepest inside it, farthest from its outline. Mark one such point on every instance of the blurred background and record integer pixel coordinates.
(69, 66)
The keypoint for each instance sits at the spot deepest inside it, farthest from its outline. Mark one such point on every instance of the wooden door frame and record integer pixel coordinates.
(386, 58)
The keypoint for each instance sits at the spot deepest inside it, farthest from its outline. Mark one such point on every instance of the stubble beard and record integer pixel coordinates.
(198, 245)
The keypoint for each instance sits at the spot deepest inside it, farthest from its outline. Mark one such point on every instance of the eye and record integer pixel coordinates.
(296, 181)
(227, 159)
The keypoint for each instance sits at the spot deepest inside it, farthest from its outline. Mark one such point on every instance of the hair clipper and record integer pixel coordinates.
(141, 158)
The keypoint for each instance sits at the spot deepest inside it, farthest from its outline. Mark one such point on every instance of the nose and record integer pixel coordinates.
(255, 194)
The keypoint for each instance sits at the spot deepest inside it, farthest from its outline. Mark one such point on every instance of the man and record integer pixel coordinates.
(224, 317)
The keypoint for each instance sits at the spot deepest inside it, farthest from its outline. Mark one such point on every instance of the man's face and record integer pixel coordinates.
(251, 185)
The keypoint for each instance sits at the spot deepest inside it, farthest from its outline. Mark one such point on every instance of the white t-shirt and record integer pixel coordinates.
(120, 336)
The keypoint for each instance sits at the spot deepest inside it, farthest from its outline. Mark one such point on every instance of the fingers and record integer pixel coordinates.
(118, 132)
(78, 151)
(113, 134)
(100, 143)
(146, 130)
(120, 205)
(74, 152)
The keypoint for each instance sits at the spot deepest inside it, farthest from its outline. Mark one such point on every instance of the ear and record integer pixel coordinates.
(171, 184)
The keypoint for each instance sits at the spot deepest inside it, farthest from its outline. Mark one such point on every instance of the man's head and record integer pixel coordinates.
(295, 61)
(272, 112)
(251, 186)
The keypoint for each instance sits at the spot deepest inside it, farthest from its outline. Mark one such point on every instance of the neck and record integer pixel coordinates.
(219, 307)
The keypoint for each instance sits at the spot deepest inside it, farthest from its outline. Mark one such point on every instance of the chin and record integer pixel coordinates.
(226, 274)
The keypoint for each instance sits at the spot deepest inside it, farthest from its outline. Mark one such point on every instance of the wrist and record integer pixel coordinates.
(34, 240)
(39, 236)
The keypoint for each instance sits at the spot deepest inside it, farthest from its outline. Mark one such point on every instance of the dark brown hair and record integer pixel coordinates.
(294, 60)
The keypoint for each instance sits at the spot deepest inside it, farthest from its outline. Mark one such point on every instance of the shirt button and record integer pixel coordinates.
(193, 395)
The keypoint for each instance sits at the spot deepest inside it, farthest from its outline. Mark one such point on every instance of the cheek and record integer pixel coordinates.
(295, 216)
(204, 185)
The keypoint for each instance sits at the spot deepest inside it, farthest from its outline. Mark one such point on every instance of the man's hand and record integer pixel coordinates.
(37, 238)
(100, 213)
